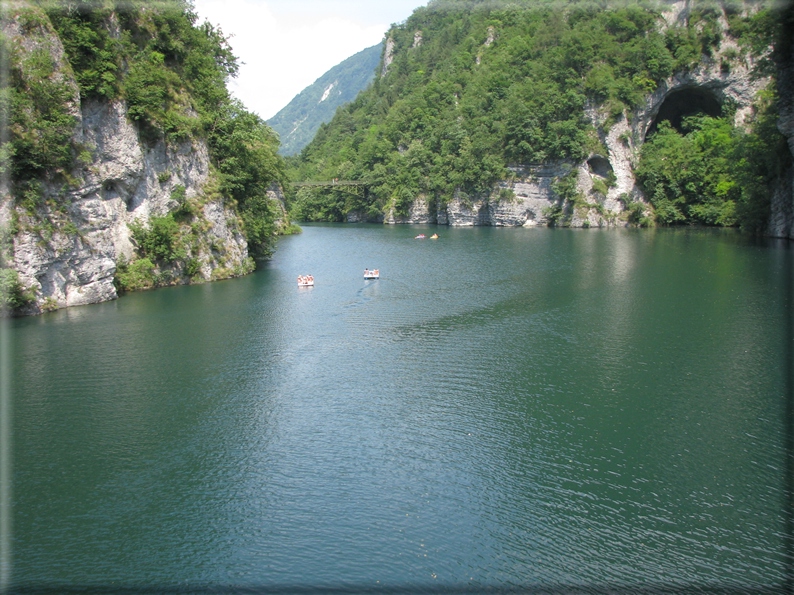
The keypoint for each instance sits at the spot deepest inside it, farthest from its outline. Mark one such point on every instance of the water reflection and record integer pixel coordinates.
(503, 407)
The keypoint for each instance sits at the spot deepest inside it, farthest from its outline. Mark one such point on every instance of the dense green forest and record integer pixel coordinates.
(495, 84)
(172, 73)
(712, 173)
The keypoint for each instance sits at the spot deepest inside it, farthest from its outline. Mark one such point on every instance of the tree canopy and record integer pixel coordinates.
(477, 86)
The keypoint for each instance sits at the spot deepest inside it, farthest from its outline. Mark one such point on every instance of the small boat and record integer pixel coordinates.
(434, 236)
(421, 236)
(371, 274)
(305, 281)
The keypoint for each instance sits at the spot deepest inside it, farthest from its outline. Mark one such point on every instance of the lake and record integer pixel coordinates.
(598, 410)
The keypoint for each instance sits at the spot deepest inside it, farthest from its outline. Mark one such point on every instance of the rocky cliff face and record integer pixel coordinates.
(67, 251)
(605, 182)
(126, 181)
(782, 221)
(528, 199)
(705, 88)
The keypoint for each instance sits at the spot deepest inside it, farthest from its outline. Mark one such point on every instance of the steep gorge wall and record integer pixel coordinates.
(726, 77)
(782, 221)
(530, 201)
(122, 184)
(67, 251)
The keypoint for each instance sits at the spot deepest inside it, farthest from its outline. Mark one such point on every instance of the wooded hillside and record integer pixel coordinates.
(474, 87)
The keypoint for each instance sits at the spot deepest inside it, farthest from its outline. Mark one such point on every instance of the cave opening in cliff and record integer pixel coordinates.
(599, 166)
(685, 102)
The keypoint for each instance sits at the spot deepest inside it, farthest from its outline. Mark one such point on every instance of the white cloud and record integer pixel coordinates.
(287, 46)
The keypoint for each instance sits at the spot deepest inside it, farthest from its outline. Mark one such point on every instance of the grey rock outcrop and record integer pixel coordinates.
(67, 251)
(527, 199)
(418, 212)
(388, 56)
(782, 222)
(124, 183)
(605, 181)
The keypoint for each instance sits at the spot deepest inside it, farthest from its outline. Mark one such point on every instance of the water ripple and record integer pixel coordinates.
(502, 409)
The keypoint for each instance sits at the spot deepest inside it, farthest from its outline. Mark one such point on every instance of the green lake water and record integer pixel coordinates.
(600, 410)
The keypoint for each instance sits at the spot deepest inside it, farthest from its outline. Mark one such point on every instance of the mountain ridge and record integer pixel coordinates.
(298, 121)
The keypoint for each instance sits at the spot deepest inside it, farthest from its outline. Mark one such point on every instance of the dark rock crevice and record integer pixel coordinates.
(781, 222)
(599, 166)
(685, 102)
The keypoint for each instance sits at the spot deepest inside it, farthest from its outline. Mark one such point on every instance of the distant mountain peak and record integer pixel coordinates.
(298, 122)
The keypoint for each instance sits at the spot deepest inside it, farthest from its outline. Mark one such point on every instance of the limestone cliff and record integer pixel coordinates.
(527, 199)
(782, 221)
(606, 184)
(566, 103)
(66, 249)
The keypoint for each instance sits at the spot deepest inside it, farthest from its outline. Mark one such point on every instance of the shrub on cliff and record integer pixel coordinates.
(246, 156)
(37, 110)
(134, 276)
(692, 177)
(159, 240)
(13, 295)
(713, 173)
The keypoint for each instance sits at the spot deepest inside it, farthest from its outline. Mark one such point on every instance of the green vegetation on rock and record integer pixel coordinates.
(135, 276)
(41, 124)
(13, 295)
(171, 72)
(477, 86)
(246, 157)
(160, 240)
(713, 173)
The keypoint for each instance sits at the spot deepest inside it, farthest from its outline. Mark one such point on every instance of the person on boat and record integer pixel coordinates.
(376, 272)
(366, 272)
(300, 279)
(310, 279)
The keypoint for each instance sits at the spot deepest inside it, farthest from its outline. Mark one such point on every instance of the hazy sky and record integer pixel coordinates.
(286, 45)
